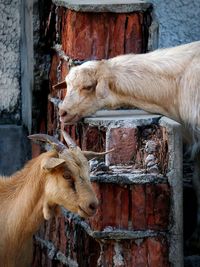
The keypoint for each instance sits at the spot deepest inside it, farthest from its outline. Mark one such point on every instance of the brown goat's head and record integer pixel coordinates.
(86, 92)
(67, 178)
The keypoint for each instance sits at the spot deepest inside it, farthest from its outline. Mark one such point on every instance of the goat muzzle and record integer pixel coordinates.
(88, 210)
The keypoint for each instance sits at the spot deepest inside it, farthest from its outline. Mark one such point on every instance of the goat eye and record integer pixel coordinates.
(88, 88)
(66, 176)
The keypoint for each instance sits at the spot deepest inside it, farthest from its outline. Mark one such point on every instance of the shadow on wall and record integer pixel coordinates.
(15, 148)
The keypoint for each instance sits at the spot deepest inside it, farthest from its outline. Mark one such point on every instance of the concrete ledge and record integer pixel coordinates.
(109, 232)
(120, 118)
(117, 6)
(128, 178)
(15, 148)
(175, 177)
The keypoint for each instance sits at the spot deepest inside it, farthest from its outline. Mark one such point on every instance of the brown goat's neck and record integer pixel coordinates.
(22, 202)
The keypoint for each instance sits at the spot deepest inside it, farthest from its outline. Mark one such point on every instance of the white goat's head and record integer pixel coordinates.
(86, 91)
(67, 177)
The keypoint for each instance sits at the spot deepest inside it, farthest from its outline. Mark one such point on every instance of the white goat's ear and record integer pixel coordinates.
(52, 163)
(102, 89)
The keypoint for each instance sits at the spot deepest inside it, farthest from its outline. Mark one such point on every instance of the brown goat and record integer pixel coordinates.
(166, 81)
(53, 179)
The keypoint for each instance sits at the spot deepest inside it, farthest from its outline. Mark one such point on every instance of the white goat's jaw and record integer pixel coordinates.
(70, 119)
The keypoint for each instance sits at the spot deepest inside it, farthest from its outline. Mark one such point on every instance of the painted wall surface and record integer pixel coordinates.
(9, 57)
(179, 21)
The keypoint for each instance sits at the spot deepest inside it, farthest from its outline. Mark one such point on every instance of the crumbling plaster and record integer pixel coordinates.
(10, 56)
(179, 21)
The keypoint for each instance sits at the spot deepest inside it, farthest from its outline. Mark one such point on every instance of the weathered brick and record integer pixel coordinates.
(150, 206)
(113, 210)
(157, 252)
(124, 140)
(93, 138)
(53, 69)
(135, 253)
(138, 207)
(133, 36)
(96, 35)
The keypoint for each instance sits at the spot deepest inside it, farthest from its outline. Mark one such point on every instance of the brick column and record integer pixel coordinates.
(84, 32)
(139, 220)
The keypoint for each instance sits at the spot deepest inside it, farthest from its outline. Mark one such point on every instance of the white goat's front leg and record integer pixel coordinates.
(194, 241)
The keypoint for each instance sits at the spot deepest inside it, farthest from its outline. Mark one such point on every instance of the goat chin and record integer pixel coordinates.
(70, 119)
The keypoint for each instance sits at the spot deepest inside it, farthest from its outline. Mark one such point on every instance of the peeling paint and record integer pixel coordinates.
(118, 258)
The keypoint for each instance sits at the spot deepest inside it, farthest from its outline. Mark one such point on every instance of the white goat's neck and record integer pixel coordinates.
(148, 81)
(131, 87)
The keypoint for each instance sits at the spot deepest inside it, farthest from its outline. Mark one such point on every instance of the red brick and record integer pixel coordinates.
(162, 205)
(93, 138)
(150, 196)
(150, 206)
(135, 253)
(133, 34)
(114, 207)
(138, 212)
(157, 252)
(53, 69)
(139, 253)
(96, 35)
(116, 32)
(124, 140)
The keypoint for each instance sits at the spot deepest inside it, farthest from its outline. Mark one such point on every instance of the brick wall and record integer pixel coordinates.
(138, 222)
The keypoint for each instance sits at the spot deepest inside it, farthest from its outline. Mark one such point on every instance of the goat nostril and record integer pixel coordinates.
(93, 206)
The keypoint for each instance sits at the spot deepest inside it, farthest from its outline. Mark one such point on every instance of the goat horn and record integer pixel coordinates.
(61, 85)
(53, 141)
(92, 154)
(70, 142)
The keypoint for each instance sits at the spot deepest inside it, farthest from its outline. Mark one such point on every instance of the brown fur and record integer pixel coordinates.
(34, 193)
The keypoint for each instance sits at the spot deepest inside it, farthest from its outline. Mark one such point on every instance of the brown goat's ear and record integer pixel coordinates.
(102, 89)
(52, 163)
(49, 212)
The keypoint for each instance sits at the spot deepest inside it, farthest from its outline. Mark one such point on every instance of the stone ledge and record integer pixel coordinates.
(128, 179)
(120, 118)
(111, 233)
(117, 6)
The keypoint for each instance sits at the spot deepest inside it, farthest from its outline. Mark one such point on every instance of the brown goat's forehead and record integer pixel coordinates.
(75, 160)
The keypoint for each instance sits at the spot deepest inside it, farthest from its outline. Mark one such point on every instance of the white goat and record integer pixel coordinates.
(53, 179)
(166, 81)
